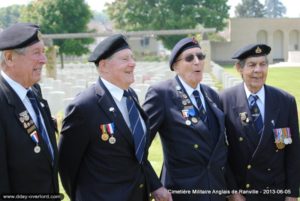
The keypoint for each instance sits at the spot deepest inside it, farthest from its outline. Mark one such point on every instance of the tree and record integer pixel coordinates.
(135, 15)
(9, 15)
(274, 9)
(62, 16)
(250, 8)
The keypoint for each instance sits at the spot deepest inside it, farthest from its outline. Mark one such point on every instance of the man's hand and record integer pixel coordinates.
(291, 199)
(236, 197)
(162, 194)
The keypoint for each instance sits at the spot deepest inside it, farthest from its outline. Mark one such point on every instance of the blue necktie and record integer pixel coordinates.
(40, 126)
(136, 127)
(202, 112)
(255, 113)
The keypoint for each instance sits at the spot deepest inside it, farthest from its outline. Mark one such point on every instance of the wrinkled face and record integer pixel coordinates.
(119, 68)
(191, 71)
(254, 72)
(26, 68)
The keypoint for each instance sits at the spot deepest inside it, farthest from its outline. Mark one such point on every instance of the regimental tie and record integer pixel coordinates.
(136, 127)
(255, 113)
(41, 129)
(202, 112)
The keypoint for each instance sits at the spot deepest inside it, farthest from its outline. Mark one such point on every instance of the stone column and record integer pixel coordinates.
(205, 46)
(51, 61)
(270, 43)
(51, 58)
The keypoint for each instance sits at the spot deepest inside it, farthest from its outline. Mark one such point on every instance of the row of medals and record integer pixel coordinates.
(111, 139)
(279, 144)
(186, 102)
(27, 123)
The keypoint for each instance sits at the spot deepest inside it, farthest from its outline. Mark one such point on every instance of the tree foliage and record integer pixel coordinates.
(10, 15)
(62, 16)
(134, 15)
(250, 8)
(274, 9)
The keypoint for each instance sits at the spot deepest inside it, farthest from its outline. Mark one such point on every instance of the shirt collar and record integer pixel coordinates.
(115, 91)
(189, 89)
(18, 88)
(260, 93)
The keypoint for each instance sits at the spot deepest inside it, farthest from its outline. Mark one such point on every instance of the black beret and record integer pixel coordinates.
(252, 50)
(19, 35)
(108, 47)
(182, 45)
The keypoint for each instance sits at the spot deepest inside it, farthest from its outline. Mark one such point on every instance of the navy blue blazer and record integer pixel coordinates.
(93, 169)
(21, 169)
(195, 156)
(261, 165)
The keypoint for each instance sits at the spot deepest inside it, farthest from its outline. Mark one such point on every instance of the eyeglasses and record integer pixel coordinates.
(191, 57)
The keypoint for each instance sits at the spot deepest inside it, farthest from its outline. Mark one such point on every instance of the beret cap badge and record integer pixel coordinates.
(258, 50)
(194, 40)
(252, 50)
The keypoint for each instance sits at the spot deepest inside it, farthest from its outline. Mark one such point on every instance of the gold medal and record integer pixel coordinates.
(37, 149)
(188, 122)
(194, 120)
(112, 140)
(280, 145)
(104, 136)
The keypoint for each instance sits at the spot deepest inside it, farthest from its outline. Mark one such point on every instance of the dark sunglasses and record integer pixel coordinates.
(191, 57)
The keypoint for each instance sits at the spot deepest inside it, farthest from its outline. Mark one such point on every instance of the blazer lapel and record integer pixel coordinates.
(176, 86)
(199, 127)
(14, 100)
(43, 106)
(146, 120)
(271, 115)
(217, 112)
(243, 117)
(109, 107)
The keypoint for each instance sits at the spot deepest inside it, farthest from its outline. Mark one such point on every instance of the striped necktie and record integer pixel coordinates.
(40, 126)
(255, 113)
(202, 112)
(136, 127)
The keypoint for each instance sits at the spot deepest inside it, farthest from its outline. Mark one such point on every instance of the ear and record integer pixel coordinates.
(8, 57)
(102, 66)
(174, 67)
(238, 67)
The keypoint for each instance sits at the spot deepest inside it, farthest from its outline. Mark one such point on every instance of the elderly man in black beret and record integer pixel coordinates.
(187, 117)
(105, 136)
(28, 151)
(263, 132)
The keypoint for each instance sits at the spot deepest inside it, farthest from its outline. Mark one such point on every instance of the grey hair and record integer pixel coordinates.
(243, 61)
(18, 51)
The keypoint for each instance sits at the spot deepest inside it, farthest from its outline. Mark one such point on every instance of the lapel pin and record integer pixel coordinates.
(112, 109)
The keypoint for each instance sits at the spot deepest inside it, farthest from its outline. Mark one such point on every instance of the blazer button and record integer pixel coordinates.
(241, 139)
(249, 167)
(247, 185)
(196, 146)
(269, 169)
(141, 185)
